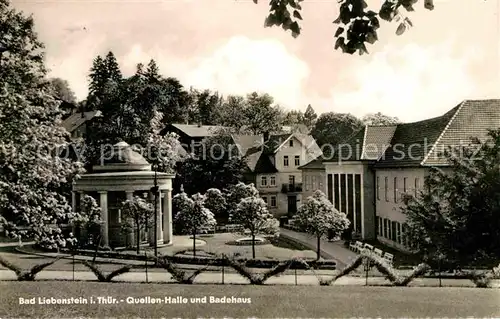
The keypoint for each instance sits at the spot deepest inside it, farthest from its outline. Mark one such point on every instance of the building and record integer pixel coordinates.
(122, 174)
(367, 176)
(273, 166)
(192, 135)
(76, 124)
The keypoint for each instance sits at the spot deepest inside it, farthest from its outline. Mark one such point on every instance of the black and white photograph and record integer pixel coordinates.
(249, 158)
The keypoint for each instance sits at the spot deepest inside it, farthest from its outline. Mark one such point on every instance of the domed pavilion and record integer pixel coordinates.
(123, 173)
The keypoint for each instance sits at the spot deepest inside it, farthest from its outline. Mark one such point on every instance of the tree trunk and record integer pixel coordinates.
(253, 244)
(194, 243)
(318, 250)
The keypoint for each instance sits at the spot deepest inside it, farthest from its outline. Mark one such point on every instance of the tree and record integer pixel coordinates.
(235, 193)
(379, 119)
(310, 117)
(193, 215)
(137, 213)
(217, 164)
(334, 128)
(318, 217)
(232, 111)
(132, 113)
(456, 214)
(87, 219)
(32, 174)
(252, 214)
(358, 24)
(260, 114)
(216, 203)
(62, 90)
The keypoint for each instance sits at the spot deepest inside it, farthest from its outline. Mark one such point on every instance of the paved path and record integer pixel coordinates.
(232, 278)
(331, 250)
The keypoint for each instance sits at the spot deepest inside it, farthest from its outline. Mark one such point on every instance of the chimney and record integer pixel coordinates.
(266, 136)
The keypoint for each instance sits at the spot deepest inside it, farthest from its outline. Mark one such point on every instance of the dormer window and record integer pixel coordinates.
(290, 143)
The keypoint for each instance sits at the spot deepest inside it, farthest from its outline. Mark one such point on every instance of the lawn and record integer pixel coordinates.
(217, 244)
(266, 301)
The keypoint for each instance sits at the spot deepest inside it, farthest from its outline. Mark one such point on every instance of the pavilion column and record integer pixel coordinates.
(104, 217)
(130, 221)
(167, 217)
(159, 232)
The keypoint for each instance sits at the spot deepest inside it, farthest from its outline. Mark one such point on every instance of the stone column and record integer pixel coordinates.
(130, 235)
(167, 217)
(104, 217)
(159, 232)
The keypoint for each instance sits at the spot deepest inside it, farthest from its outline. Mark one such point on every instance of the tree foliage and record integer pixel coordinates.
(193, 215)
(215, 201)
(236, 192)
(455, 218)
(136, 214)
(132, 111)
(86, 221)
(358, 22)
(318, 217)
(217, 164)
(253, 215)
(379, 119)
(334, 128)
(32, 174)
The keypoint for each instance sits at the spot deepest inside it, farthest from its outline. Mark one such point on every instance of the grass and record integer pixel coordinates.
(266, 301)
(277, 249)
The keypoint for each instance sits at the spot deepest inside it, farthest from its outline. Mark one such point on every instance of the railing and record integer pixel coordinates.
(291, 188)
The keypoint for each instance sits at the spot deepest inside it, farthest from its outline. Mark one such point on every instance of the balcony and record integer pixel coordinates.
(291, 188)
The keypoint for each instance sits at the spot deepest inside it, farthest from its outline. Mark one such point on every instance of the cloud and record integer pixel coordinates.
(243, 65)
(411, 82)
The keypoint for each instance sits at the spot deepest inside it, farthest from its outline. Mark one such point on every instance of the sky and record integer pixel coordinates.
(450, 54)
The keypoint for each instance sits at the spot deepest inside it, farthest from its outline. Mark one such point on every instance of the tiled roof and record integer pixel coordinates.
(195, 130)
(377, 140)
(314, 164)
(473, 119)
(75, 120)
(350, 150)
(258, 153)
(412, 141)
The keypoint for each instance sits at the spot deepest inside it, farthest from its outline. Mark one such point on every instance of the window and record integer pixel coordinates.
(308, 182)
(380, 226)
(263, 181)
(297, 160)
(389, 232)
(386, 232)
(272, 180)
(285, 160)
(314, 187)
(264, 198)
(378, 187)
(404, 185)
(291, 179)
(320, 183)
(393, 231)
(273, 201)
(290, 143)
(417, 186)
(395, 189)
(398, 233)
(386, 186)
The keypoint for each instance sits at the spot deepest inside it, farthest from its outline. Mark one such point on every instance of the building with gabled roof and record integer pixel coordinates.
(367, 175)
(272, 164)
